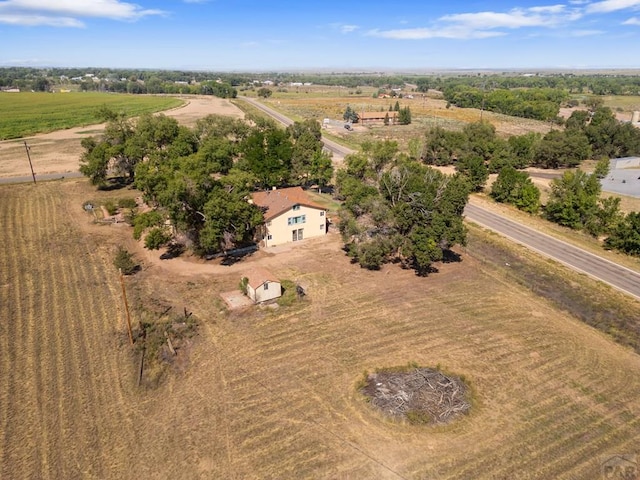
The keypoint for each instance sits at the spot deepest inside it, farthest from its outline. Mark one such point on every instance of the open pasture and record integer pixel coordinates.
(272, 393)
(27, 113)
(426, 112)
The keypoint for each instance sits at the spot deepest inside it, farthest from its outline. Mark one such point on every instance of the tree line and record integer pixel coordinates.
(199, 179)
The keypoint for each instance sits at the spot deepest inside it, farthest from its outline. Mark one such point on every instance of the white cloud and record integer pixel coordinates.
(348, 28)
(585, 33)
(40, 20)
(607, 6)
(426, 33)
(486, 24)
(344, 27)
(66, 13)
(632, 21)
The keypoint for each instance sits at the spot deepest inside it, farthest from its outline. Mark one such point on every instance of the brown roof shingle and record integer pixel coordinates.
(281, 200)
(258, 275)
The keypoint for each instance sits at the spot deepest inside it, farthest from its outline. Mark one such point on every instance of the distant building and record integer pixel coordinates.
(378, 117)
(289, 216)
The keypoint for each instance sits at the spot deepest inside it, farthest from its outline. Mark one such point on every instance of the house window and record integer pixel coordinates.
(266, 285)
(322, 227)
(269, 237)
(296, 220)
(322, 213)
(296, 207)
(297, 234)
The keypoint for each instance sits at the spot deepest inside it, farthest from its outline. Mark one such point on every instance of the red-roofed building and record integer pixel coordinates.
(290, 216)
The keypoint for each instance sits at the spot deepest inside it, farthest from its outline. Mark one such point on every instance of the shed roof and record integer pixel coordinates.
(281, 200)
(258, 276)
(377, 115)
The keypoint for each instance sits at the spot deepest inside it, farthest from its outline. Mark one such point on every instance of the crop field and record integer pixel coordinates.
(271, 393)
(23, 114)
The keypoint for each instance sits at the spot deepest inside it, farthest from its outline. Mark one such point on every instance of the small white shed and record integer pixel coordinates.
(262, 285)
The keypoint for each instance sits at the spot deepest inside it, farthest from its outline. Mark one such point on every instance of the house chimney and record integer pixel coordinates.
(274, 188)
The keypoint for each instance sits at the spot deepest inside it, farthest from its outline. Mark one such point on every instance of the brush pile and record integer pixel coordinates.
(421, 395)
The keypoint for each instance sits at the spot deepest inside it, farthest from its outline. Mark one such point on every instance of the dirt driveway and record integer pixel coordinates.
(59, 152)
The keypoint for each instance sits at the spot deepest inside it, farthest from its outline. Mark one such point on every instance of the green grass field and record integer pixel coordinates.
(24, 114)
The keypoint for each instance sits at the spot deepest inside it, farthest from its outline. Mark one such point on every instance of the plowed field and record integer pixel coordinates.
(272, 393)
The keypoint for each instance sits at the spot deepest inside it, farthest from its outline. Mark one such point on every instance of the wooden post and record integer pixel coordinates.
(27, 148)
(126, 306)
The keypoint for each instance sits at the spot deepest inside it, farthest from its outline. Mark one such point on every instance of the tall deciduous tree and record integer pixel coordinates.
(516, 188)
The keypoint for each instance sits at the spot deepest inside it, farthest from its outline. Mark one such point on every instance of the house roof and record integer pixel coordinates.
(258, 276)
(281, 200)
(377, 115)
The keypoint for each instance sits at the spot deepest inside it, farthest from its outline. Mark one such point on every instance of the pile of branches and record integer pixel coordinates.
(421, 395)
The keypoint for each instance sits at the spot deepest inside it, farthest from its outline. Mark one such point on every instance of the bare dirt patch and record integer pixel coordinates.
(59, 152)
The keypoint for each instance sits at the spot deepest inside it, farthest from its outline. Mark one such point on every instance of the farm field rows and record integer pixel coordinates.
(271, 393)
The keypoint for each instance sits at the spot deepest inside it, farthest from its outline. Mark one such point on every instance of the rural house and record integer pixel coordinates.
(262, 285)
(378, 117)
(289, 216)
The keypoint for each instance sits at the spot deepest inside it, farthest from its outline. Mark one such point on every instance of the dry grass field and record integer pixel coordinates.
(270, 393)
(427, 112)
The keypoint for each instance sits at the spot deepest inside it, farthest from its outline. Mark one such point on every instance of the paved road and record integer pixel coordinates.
(595, 266)
(617, 276)
(330, 145)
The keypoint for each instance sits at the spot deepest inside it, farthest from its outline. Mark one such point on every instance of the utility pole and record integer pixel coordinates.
(126, 306)
(27, 148)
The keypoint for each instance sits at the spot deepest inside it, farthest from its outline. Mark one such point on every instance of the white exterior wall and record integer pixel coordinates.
(281, 232)
(274, 290)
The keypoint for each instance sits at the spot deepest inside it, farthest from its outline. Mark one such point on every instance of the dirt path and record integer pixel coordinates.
(59, 152)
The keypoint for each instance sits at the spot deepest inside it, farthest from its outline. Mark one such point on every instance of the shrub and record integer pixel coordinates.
(124, 262)
(111, 207)
(127, 203)
(146, 220)
(156, 238)
(243, 285)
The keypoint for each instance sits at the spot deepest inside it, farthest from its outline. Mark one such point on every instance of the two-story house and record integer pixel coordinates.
(289, 216)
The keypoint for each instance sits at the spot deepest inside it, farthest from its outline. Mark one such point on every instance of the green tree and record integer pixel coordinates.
(562, 149)
(625, 236)
(267, 154)
(475, 169)
(574, 199)
(404, 116)
(264, 92)
(125, 262)
(350, 115)
(408, 212)
(156, 238)
(230, 221)
(516, 188)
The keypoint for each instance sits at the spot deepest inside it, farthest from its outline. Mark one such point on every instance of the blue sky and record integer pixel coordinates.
(226, 35)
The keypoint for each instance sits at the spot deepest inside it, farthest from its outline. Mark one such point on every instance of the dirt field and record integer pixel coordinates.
(272, 393)
(60, 151)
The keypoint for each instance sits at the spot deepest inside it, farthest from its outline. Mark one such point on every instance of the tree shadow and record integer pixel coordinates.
(115, 183)
(449, 256)
(174, 250)
(233, 258)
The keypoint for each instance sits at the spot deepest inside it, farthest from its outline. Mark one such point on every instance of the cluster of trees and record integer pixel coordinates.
(596, 84)
(537, 103)
(199, 179)
(587, 135)
(575, 202)
(398, 209)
